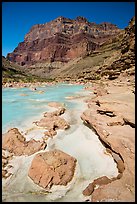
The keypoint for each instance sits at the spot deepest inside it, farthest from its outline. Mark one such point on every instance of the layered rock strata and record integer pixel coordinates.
(115, 57)
(61, 40)
(112, 116)
(125, 63)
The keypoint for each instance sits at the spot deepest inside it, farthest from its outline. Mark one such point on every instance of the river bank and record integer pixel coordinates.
(35, 84)
(110, 114)
(71, 141)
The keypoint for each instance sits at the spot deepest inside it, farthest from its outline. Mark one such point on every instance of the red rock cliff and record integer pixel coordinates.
(62, 39)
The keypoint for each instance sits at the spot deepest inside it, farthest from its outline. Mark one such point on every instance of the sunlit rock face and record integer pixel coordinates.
(52, 168)
(62, 39)
(14, 142)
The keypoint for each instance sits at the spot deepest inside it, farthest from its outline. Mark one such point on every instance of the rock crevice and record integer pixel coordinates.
(116, 136)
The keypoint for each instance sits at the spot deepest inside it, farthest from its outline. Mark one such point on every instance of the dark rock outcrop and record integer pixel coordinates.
(99, 181)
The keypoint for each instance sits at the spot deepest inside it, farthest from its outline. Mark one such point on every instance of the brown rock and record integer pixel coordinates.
(52, 168)
(58, 112)
(54, 123)
(102, 181)
(16, 143)
(120, 166)
(99, 181)
(120, 139)
(89, 190)
(4, 172)
(119, 176)
(114, 192)
(56, 104)
(50, 133)
(116, 121)
(60, 123)
(46, 122)
(6, 156)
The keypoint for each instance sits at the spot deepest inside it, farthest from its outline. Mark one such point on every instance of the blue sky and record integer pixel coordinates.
(19, 17)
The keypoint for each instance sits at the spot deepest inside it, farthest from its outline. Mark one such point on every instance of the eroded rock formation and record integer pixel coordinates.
(62, 39)
(52, 168)
(16, 143)
(52, 120)
(111, 114)
(126, 61)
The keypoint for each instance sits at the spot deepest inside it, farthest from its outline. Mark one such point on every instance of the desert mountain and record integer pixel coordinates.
(72, 50)
(61, 40)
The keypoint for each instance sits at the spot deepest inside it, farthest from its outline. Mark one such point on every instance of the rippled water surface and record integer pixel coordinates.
(21, 104)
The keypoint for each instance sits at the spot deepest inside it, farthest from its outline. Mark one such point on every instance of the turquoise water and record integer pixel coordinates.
(16, 109)
(78, 141)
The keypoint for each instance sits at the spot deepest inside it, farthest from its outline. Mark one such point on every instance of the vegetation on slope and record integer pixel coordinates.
(12, 72)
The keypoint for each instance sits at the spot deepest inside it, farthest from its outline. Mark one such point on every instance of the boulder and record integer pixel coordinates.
(58, 112)
(54, 123)
(16, 143)
(52, 168)
(102, 181)
(46, 122)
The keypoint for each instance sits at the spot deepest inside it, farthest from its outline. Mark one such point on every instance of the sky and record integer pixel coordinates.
(19, 17)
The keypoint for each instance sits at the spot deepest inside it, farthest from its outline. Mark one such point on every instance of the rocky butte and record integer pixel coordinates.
(62, 40)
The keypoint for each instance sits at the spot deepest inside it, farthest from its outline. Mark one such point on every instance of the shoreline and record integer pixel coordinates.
(36, 84)
(71, 133)
(111, 114)
(93, 103)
